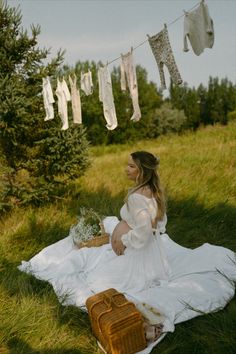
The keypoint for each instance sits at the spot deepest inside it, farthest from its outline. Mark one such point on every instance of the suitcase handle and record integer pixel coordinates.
(109, 301)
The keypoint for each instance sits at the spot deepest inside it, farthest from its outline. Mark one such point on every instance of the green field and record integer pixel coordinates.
(198, 171)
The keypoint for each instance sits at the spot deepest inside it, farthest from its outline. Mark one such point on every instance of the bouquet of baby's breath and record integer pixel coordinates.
(89, 227)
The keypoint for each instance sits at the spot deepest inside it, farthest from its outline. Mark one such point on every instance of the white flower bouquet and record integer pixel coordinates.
(89, 231)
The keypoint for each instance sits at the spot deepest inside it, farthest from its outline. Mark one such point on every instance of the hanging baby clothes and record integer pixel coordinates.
(161, 48)
(86, 82)
(75, 100)
(198, 27)
(106, 97)
(127, 69)
(48, 99)
(63, 96)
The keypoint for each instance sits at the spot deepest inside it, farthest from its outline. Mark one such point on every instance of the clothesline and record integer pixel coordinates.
(196, 22)
(168, 25)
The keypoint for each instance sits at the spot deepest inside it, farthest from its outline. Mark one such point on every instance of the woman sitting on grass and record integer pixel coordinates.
(141, 260)
(136, 238)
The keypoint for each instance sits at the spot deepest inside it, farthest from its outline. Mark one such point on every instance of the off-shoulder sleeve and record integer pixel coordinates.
(142, 231)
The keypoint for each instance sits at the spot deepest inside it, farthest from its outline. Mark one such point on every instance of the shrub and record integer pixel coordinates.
(167, 120)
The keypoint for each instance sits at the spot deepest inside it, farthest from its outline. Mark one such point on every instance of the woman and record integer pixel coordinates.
(141, 260)
(142, 169)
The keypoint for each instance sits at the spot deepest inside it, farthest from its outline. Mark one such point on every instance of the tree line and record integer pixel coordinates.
(185, 108)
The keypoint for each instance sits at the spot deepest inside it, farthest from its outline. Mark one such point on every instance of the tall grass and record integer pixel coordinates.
(198, 171)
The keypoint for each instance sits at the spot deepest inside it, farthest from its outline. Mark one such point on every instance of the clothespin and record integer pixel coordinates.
(45, 72)
(59, 77)
(70, 79)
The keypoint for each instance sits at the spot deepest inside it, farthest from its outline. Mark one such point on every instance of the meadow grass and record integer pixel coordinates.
(198, 171)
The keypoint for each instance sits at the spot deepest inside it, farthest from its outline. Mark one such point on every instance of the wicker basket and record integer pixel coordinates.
(116, 323)
(97, 241)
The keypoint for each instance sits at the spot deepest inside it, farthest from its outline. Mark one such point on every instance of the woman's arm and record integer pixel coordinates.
(142, 230)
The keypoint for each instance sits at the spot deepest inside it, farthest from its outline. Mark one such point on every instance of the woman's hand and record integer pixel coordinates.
(117, 245)
(121, 228)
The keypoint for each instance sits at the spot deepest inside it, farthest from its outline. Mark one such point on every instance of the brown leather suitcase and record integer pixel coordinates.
(116, 323)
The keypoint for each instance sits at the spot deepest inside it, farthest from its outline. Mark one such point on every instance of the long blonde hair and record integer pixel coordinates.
(147, 164)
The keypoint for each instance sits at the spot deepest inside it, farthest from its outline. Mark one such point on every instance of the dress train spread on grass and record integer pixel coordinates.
(180, 283)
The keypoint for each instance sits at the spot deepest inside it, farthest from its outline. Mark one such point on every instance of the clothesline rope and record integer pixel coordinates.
(168, 25)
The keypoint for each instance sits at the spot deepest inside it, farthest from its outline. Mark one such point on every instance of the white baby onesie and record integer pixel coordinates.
(198, 27)
(106, 97)
(75, 100)
(127, 70)
(63, 96)
(86, 82)
(48, 99)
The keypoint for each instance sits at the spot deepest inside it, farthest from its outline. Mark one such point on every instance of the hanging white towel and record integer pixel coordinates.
(128, 70)
(86, 83)
(106, 97)
(63, 96)
(48, 99)
(75, 100)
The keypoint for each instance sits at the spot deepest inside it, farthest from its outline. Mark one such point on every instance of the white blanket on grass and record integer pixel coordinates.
(202, 279)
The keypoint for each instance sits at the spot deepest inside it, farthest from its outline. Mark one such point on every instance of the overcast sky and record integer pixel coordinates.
(102, 29)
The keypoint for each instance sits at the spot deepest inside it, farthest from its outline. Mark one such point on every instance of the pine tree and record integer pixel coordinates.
(36, 155)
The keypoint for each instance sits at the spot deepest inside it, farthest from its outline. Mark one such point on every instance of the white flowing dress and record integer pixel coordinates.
(179, 282)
